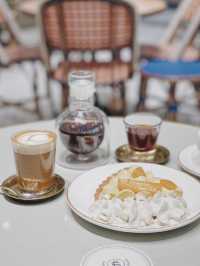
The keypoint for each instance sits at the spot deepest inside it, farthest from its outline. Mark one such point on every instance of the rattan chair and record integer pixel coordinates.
(86, 28)
(17, 52)
(171, 45)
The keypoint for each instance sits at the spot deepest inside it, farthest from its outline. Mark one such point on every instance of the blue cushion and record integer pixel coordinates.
(172, 69)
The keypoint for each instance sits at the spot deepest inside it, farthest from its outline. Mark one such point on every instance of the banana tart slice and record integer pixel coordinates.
(130, 181)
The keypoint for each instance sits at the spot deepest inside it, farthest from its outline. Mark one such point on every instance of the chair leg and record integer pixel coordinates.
(35, 90)
(142, 94)
(50, 96)
(96, 100)
(117, 105)
(197, 90)
(123, 97)
(65, 95)
(172, 103)
(48, 87)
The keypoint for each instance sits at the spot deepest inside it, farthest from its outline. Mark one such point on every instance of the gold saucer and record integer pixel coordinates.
(10, 188)
(125, 154)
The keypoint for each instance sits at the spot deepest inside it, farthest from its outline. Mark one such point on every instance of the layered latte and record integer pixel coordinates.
(35, 159)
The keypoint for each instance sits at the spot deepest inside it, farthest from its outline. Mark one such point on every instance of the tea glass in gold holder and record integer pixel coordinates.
(142, 132)
(34, 152)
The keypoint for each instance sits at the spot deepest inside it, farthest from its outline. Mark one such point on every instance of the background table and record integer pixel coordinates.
(49, 234)
(144, 7)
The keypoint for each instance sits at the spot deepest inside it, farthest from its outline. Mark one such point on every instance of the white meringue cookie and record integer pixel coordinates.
(161, 210)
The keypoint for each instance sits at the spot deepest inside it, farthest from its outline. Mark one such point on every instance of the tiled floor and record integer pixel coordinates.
(15, 83)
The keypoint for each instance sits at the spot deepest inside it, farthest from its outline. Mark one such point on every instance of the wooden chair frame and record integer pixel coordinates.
(172, 44)
(179, 17)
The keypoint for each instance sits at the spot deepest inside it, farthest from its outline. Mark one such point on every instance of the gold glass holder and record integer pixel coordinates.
(160, 155)
(12, 189)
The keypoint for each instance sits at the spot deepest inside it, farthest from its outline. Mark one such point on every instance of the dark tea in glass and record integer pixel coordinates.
(142, 131)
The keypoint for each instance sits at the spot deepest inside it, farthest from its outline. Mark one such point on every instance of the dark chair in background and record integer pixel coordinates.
(87, 28)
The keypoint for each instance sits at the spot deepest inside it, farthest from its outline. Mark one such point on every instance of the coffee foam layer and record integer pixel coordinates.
(33, 142)
(34, 138)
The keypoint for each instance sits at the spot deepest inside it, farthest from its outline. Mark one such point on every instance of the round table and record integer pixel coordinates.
(50, 234)
(144, 7)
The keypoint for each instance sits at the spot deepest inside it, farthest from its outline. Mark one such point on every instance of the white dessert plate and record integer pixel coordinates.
(189, 160)
(80, 195)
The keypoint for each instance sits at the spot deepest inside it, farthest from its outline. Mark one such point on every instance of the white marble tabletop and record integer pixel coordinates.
(49, 234)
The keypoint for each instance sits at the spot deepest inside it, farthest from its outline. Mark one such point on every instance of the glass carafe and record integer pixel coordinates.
(83, 130)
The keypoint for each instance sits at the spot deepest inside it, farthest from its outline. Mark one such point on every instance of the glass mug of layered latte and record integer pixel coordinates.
(34, 152)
